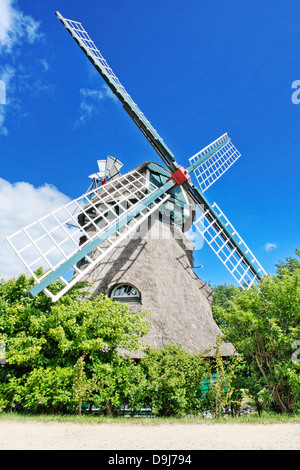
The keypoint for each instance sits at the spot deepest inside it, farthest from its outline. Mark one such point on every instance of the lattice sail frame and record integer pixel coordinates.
(215, 166)
(220, 243)
(58, 240)
(82, 36)
(88, 46)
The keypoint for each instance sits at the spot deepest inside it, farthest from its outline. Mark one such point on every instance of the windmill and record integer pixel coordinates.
(76, 241)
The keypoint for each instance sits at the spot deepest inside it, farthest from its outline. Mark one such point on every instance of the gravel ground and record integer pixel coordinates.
(56, 435)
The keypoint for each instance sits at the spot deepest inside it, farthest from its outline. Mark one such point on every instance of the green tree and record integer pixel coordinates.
(222, 296)
(290, 265)
(263, 323)
(46, 343)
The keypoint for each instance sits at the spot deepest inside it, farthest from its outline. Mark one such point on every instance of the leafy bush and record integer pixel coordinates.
(263, 323)
(53, 351)
(173, 380)
(59, 356)
(118, 383)
(48, 390)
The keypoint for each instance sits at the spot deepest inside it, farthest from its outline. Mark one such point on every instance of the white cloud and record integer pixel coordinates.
(89, 99)
(15, 26)
(15, 29)
(2, 92)
(89, 102)
(44, 64)
(32, 86)
(270, 246)
(7, 74)
(20, 204)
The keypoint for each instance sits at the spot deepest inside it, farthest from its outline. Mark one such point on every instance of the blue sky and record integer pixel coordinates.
(196, 69)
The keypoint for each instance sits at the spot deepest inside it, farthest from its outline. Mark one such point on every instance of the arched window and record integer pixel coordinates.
(125, 293)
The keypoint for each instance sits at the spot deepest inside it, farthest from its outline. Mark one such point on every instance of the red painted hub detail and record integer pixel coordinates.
(180, 176)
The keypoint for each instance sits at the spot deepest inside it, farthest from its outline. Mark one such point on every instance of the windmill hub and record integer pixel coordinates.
(180, 176)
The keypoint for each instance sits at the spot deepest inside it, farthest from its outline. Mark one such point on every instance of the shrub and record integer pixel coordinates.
(174, 379)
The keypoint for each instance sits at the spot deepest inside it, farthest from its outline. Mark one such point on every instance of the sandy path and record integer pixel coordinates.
(34, 435)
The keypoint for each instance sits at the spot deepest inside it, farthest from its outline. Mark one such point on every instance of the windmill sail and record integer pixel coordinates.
(229, 246)
(213, 161)
(94, 55)
(70, 241)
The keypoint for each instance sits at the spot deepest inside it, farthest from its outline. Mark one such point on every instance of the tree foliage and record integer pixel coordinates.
(173, 380)
(290, 265)
(263, 323)
(79, 350)
(60, 356)
(53, 350)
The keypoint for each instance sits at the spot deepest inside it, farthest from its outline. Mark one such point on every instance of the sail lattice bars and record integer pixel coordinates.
(88, 46)
(68, 242)
(213, 161)
(241, 267)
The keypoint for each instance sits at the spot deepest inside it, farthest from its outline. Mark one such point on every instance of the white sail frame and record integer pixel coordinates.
(238, 266)
(214, 167)
(55, 238)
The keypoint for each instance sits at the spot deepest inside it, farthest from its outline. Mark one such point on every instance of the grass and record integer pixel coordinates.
(265, 418)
